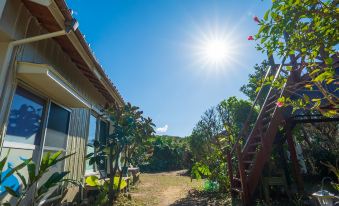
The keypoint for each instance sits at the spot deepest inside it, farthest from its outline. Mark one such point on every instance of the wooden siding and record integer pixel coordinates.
(77, 141)
(17, 23)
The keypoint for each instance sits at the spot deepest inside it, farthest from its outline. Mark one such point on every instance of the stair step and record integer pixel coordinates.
(273, 96)
(237, 189)
(251, 153)
(269, 111)
(255, 144)
(248, 162)
(247, 171)
(237, 179)
(270, 104)
(265, 120)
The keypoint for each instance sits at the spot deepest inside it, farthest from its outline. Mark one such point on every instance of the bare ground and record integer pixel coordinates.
(170, 189)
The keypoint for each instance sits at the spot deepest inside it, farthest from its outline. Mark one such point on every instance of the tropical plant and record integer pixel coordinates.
(335, 171)
(130, 130)
(215, 134)
(165, 153)
(35, 175)
(103, 187)
(304, 30)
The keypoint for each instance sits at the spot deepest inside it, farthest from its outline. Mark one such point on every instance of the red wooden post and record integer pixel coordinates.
(245, 197)
(294, 159)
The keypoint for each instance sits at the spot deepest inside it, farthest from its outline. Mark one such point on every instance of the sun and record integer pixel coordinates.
(215, 51)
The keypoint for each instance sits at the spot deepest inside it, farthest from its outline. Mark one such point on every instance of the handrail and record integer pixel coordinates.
(251, 111)
(275, 79)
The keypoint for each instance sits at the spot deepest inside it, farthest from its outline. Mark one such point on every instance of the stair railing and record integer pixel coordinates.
(276, 76)
(249, 116)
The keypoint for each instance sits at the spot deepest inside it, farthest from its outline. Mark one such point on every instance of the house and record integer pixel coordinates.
(52, 88)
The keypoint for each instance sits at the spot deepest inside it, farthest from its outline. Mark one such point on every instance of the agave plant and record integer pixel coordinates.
(35, 175)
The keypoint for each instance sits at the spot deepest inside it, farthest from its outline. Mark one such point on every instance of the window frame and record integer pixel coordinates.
(39, 146)
(18, 145)
(96, 137)
(69, 124)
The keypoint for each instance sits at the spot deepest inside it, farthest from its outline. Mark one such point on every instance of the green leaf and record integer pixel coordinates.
(2, 164)
(314, 71)
(23, 179)
(266, 15)
(31, 172)
(44, 162)
(18, 167)
(53, 159)
(11, 191)
(52, 181)
(323, 76)
(92, 181)
(316, 100)
(329, 61)
(89, 155)
(123, 183)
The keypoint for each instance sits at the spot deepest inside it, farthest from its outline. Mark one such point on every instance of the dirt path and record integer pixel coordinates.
(162, 189)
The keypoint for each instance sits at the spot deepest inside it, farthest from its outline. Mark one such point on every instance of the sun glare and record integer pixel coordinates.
(215, 51)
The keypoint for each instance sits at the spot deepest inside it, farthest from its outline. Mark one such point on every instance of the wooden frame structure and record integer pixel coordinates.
(258, 142)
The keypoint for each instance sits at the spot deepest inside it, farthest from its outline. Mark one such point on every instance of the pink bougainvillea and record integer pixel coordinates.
(280, 104)
(256, 19)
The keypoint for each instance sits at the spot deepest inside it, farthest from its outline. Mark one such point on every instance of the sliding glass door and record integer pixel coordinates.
(35, 126)
(56, 139)
(23, 134)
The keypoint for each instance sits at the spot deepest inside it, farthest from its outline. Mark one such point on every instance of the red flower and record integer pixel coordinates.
(256, 19)
(280, 104)
(250, 38)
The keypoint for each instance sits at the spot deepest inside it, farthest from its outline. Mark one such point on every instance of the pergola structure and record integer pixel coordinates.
(253, 155)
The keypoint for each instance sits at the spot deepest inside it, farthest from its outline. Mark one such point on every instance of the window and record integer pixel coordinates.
(56, 139)
(25, 118)
(91, 137)
(57, 127)
(98, 129)
(103, 141)
(23, 134)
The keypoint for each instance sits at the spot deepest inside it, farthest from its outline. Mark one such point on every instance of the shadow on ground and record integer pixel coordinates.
(200, 198)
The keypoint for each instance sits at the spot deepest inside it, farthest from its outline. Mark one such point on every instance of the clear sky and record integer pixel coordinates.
(153, 50)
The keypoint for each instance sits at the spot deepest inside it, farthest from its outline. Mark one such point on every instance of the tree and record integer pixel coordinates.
(130, 129)
(306, 32)
(255, 82)
(216, 133)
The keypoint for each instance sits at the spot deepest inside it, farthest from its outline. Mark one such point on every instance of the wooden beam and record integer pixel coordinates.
(294, 159)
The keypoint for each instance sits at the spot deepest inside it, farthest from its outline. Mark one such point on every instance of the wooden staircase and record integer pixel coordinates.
(257, 146)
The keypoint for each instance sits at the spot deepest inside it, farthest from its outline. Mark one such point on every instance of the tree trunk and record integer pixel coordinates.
(125, 163)
(111, 178)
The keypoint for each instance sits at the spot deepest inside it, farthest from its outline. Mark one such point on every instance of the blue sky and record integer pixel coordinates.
(150, 50)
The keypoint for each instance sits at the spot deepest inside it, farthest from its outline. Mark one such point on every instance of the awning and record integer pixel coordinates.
(45, 79)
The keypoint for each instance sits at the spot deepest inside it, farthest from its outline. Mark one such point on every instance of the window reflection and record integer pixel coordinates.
(57, 127)
(91, 138)
(24, 123)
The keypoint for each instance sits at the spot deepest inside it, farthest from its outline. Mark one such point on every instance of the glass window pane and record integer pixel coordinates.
(15, 157)
(92, 129)
(25, 118)
(57, 127)
(91, 138)
(103, 132)
(59, 167)
(102, 139)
